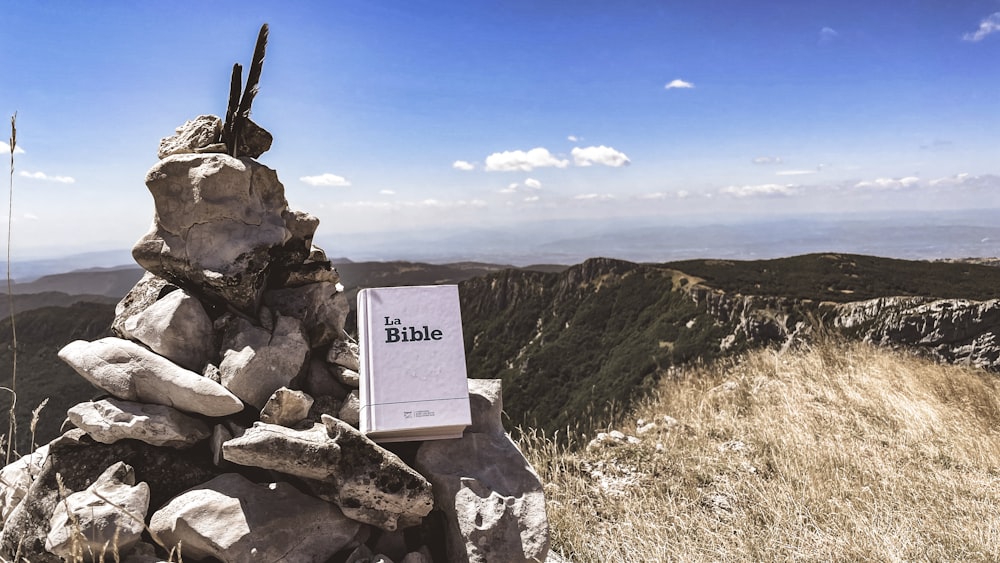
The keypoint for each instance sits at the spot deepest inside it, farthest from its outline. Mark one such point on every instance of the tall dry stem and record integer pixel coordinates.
(12, 427)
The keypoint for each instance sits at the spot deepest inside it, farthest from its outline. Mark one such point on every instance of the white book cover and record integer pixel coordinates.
(413, 376)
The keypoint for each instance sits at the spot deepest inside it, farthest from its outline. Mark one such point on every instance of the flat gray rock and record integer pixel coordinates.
(234, 520)
(130, 372)
(304, 453)
(110, 420)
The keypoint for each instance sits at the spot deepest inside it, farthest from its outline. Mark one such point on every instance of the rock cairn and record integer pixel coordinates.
(227, 425)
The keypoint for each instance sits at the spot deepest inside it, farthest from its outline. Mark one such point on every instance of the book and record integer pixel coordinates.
(414, 384)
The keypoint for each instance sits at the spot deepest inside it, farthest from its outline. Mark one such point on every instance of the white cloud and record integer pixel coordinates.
(683, 194)
(986, 27)
(46, 177)
(537, 157)
(767, 160)
(533, 184)
(511, 188)
(572, 138)
(463, 165)
(955, 180)
(387, 192)
(5, 149)
(655, 195)
(678, 83)
(794, 172)
(326, 180)
(599, 155)
(827, 34)
(531, 199)
(760, 190)
(889, 183)
(31, 216)
(594, 197)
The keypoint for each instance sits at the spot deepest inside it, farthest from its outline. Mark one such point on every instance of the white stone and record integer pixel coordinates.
(110, 420)
(234, 520)
(256, 363)
(129, 371)
(113, 509)
(286, 407)
(492, 500)
(219, 224)
(351, 408)
(196, 133)
(177, 328)
(16, 478)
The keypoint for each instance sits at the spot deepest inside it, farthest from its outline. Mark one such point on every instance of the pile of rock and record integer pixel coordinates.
(228, 425)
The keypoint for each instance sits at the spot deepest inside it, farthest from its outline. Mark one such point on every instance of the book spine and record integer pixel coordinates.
(364, 392)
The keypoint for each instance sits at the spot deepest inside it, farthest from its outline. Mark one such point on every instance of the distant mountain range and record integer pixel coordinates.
(904, 234)
(586, 340)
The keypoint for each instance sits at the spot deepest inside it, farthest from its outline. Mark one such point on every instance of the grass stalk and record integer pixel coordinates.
(12, 427)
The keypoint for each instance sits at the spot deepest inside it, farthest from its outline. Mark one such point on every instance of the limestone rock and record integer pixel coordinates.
(371, 484)
(89, 521)
(346, 354)
(16, 479)
(491, 498)
(220, 435)
(321, 307)
(314, 268)
(340, 465)
(218, 225)
(256, 362)
(349, 378)
(953, 330)
(130, 372)
(286, 407)
(295, 252)
(177, 328)
(197, 133)
(303, 453)
(110, 420)
(79, 460)
(143, 294)
(234, 520)
(350, 410)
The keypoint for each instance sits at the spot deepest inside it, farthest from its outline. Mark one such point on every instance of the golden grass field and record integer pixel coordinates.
(833, 452)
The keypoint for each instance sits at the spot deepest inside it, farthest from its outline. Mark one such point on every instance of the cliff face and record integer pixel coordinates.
(592, 338)
(952, 330)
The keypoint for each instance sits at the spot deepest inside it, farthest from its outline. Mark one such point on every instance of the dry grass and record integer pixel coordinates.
(837, 452)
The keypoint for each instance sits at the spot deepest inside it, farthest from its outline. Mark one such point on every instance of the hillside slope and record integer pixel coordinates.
(597, 335)
(835, 452)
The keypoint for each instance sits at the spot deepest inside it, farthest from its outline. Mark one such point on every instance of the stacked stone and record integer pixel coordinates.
(229, 424)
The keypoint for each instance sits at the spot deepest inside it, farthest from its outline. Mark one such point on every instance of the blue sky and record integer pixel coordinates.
(432, 114)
